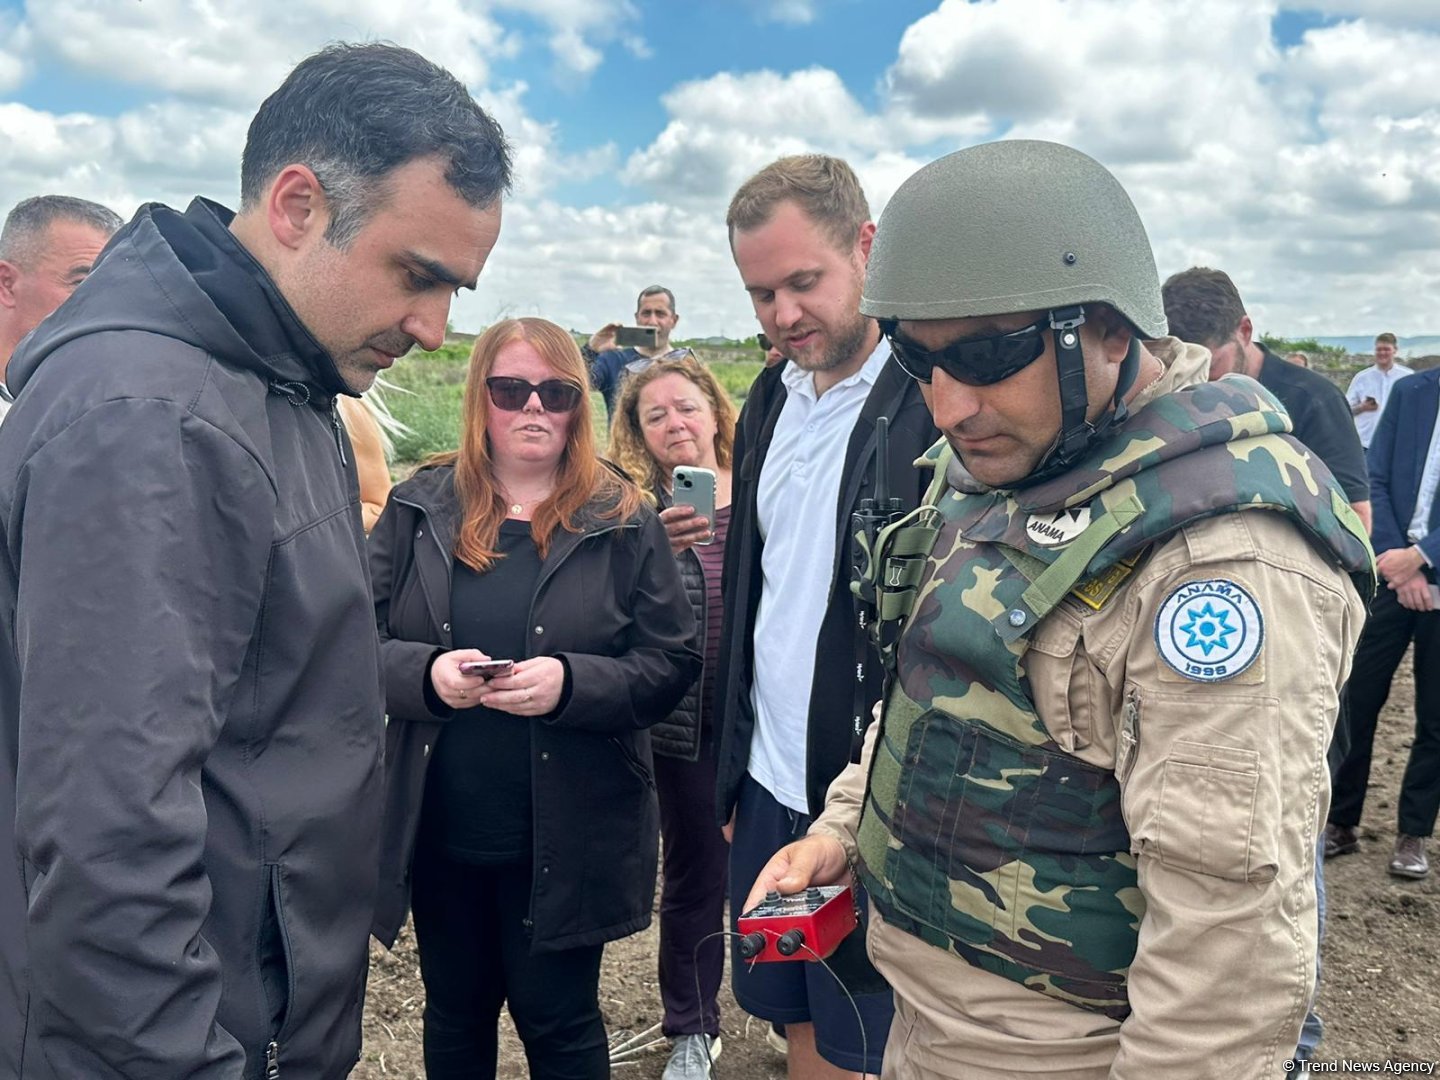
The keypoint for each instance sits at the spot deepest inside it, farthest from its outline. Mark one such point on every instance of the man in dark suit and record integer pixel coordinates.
(1404, 476)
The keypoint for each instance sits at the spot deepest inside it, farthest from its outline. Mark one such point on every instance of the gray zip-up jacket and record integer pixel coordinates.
(190, 706)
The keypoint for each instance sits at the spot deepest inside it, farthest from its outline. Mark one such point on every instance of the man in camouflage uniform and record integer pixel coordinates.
(1087, 815)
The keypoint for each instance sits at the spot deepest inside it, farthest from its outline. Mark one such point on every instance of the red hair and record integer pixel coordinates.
(580, 478)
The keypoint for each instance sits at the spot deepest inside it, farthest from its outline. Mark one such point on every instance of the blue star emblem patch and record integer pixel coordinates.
(1209, 630)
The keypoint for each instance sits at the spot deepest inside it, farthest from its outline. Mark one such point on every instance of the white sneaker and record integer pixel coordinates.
(688, 1058)
(777, 1041)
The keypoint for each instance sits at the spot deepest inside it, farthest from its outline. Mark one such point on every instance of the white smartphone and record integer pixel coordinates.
(696, 487)
(1435, 597)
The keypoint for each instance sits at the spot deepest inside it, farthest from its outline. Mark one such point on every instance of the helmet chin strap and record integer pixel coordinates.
(1076, 432)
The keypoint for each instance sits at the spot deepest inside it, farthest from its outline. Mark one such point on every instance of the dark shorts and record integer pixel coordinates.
(800, 992)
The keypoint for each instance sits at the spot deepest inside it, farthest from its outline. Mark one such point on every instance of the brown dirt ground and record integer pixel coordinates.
(1378, 996)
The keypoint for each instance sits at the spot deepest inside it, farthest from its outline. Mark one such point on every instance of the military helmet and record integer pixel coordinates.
(1008, 227)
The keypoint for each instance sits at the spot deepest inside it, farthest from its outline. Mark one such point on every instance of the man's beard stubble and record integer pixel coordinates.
(841, 347)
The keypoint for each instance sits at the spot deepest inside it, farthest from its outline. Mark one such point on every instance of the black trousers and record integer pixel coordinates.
(1382, 646)
(692, 897)
(470, 925)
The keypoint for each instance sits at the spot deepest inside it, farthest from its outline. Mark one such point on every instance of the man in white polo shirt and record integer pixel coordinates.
(791, 710)
(1370, 389)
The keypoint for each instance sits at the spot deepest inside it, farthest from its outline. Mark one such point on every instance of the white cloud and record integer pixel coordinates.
(14, 44)
(539, 164)
(236, 51)
(582, 267)
(167, 152)
(173, 149)
(1403, 12)
(1311, 173)
(789, 12)
(233, 51)
(1128, 80)
(1367, 71)
(580, 27)
(637, 46)
(722, 129)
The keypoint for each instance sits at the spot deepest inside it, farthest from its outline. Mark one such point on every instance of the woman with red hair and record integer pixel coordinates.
(521, 813)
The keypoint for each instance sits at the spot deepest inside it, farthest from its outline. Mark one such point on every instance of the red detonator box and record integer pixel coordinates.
(800, 926)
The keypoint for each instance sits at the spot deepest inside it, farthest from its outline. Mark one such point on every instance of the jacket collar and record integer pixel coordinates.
(252, 303)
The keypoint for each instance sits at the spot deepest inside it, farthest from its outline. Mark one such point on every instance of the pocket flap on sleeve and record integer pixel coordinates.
(1206, 817)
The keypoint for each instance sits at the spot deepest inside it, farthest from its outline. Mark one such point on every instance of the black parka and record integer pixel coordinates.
(609, 604)
(190, 708)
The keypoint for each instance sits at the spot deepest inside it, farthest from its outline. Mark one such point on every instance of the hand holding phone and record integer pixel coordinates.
(486, 669)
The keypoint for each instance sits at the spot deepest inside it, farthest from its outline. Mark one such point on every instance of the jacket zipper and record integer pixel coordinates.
(335, 426)
(272, 1061)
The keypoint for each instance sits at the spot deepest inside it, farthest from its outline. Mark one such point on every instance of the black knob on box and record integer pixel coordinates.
(752, 945)
(789, 942)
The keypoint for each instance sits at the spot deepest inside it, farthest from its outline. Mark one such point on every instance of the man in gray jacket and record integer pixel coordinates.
(190, 707)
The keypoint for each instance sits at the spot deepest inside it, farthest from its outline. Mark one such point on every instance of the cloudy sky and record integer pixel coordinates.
(1296, 146)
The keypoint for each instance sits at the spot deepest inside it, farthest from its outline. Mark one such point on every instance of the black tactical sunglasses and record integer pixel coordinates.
(511, 394)
(976, 362)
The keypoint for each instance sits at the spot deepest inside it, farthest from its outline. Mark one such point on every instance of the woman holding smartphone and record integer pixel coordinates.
(520, 807)
(673, 416)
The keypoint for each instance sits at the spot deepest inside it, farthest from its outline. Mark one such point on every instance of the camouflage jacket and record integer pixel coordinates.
(981, 834)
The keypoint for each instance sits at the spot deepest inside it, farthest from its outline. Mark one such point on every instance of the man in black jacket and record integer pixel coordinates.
(1204, 308)
(190, 707)
(797, 678)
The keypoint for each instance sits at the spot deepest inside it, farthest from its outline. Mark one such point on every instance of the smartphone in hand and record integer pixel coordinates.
(486, 669)
(696, 487)
(643, 336)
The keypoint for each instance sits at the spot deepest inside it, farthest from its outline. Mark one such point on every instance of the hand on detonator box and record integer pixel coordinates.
(807, 925)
